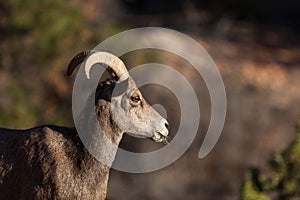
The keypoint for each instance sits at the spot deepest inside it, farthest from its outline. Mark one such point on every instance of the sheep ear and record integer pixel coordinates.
(120, 88)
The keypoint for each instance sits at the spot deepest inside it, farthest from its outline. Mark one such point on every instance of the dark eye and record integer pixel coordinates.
(136, 98)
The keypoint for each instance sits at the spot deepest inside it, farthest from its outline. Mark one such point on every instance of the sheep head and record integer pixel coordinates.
(130, 111)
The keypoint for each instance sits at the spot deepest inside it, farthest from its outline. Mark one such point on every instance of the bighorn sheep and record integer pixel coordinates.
(51, 162)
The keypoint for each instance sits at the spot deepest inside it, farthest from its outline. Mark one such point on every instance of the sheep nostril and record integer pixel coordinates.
(166, 125)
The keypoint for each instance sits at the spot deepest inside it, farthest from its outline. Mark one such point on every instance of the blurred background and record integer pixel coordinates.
(255, 44)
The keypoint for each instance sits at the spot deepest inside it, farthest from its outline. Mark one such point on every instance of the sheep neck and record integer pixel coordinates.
(102, 146)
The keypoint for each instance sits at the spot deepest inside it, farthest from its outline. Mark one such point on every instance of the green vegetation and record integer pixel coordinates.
(164, 138)
(38, 38)
(281, 181)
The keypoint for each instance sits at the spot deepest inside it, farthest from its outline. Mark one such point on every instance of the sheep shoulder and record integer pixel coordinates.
(51, 156)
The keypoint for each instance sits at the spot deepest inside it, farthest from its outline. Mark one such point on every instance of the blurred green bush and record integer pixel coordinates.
(38, 38)
(282, 178)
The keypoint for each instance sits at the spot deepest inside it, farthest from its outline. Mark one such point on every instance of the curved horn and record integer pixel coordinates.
(112, 61)
(79, 58)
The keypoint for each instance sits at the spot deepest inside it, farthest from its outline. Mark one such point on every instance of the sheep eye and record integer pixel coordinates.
(136, 99)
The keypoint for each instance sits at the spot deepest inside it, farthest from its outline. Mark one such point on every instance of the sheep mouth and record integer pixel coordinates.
(159, 137)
